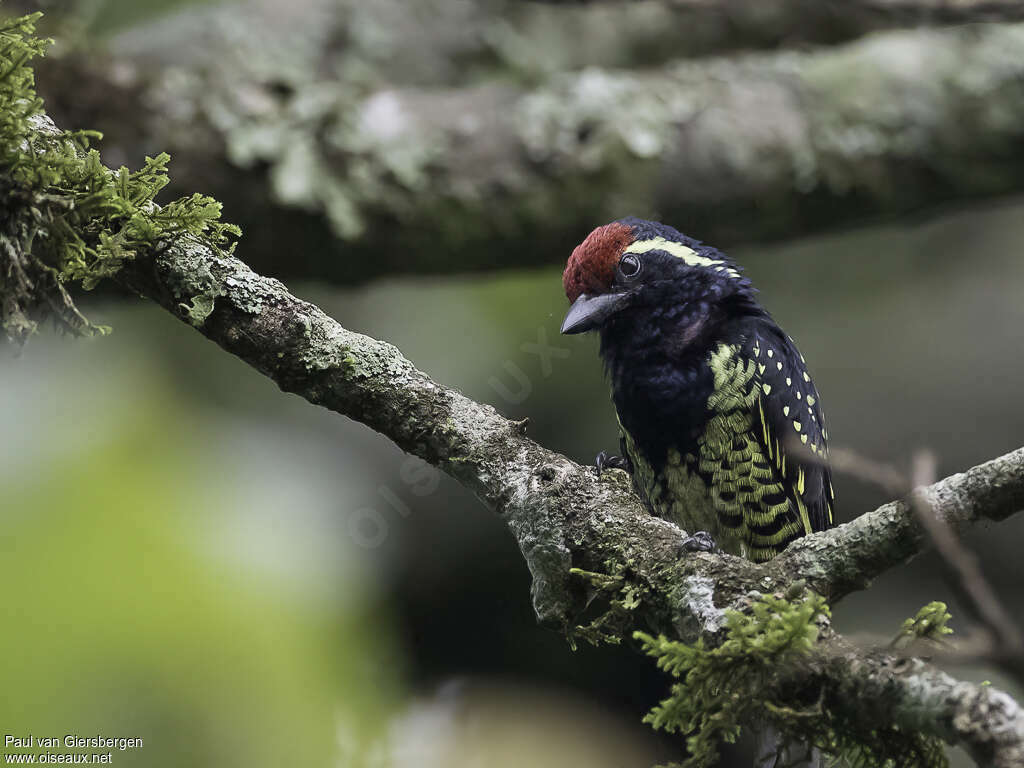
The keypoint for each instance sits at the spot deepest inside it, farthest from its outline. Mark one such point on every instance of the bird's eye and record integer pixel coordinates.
(629, 265)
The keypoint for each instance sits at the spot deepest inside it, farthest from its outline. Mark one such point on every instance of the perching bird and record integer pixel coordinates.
(720, 423)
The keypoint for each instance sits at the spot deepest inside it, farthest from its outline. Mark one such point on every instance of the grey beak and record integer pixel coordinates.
(588, 312)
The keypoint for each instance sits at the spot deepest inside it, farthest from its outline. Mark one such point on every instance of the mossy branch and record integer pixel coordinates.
(513, 138)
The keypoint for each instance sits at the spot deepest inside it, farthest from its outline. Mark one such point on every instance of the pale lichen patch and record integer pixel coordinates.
(700, 599)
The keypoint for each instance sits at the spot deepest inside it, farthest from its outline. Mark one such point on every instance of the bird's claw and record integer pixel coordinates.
(604, 461)
(701, 541)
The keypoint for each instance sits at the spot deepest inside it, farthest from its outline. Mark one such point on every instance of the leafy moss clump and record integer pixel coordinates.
(743, 681)
(930, 625)
(66, 217)
(620, 596)
(726, 685)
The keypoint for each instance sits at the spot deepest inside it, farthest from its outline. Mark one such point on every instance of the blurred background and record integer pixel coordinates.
(238, 578)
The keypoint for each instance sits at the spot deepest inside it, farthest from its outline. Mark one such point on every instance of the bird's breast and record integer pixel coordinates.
(662, 405)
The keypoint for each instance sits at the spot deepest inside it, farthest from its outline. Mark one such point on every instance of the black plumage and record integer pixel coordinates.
(720, 420)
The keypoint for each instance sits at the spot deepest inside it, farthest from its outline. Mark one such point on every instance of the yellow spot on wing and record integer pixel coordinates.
(810, 399)
(806, 377)
(797, 425)
(767, 388)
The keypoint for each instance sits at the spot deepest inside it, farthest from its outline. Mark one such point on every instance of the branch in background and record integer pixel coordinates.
(700, 27)
(932, 11)
(542, 36)
(493, 166)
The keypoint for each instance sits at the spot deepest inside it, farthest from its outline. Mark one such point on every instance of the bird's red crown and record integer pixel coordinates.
(591, 266)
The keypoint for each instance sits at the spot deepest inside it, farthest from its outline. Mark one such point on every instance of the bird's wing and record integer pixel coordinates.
(762, 454)
(789, 425)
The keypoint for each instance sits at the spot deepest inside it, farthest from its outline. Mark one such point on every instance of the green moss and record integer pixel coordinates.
(741, 681)
(621, 596)
(929, 624)
(725, 686)
(68, 219)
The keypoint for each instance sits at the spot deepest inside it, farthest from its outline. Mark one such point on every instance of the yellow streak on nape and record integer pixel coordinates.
(680, 251)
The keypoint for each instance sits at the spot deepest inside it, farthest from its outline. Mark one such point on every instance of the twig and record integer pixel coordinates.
(849, 462)
(1003, 642)
(964, 576)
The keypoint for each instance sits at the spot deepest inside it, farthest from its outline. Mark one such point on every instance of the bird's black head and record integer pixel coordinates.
(640, 277)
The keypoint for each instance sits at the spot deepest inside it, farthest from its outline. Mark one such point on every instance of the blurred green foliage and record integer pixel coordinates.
(122, 618)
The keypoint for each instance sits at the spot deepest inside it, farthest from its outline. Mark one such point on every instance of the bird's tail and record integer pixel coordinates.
(770, 754)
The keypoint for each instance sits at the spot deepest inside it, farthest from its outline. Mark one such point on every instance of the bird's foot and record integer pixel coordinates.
(701, 541)
(604, 461)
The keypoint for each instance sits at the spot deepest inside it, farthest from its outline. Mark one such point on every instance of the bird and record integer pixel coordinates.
(720, 423)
